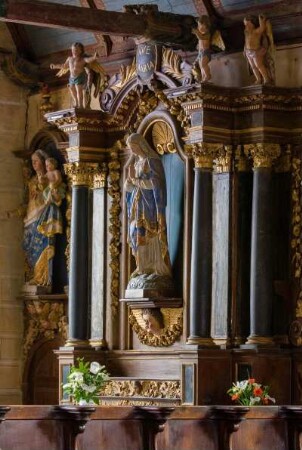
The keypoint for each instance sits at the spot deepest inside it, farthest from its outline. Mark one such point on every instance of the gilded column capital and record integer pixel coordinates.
(223, 159)
(262, 154)
(80, 173)
(203, 154)
(283, 164)
(242, 163)
(99, 177)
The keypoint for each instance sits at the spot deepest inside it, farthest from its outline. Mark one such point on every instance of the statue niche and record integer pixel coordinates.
(145, 193)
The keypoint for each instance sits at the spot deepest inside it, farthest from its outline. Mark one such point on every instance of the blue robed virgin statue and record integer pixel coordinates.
(145, 189)
(43, 219)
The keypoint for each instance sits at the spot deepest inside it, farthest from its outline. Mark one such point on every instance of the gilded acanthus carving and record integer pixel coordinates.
(262, 154)
(203, 154)
(168, 335)
(173, 65)
(223, 159)
(242, 163)
(147, 104)
(43, 320)
(100, 177)
(115, 225)
(167, 389)
(283, 163)
(80, 173)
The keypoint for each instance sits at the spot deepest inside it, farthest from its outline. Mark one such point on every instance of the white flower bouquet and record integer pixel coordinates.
(85, 381)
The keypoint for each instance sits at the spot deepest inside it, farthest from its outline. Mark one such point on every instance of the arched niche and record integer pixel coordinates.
(163, 133)
(54, 142)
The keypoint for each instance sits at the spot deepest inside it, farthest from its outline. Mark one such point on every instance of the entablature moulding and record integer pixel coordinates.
(206, 113)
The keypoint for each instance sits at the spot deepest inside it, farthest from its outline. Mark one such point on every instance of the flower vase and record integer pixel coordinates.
(84, 402)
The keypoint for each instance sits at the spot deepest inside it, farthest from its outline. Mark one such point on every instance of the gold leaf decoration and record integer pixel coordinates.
(171, 332)
(162, 137)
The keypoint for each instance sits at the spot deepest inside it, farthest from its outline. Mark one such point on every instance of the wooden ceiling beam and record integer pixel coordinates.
(54, 15)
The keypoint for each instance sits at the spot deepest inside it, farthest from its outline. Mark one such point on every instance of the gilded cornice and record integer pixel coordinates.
(80, 173)
(223, 159)
(193, 101)
(262, 154)
(74, 123)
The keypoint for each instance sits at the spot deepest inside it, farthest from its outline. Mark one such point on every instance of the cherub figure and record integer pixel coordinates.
(83, 70)
(54, 178)
(208, 41)
(259, 48)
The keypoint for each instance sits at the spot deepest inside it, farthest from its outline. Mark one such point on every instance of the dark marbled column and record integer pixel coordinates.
(201, 260)
(98, 279)
(78, 304)
(261, 289)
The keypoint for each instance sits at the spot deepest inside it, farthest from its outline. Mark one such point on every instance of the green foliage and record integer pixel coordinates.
(85, 381)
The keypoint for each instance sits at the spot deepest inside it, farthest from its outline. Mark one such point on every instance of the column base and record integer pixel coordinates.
(260, 341)
(201, 342)
(77, 343)
(98, 343)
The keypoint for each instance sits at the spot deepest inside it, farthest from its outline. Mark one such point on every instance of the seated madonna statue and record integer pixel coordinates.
(145, 188)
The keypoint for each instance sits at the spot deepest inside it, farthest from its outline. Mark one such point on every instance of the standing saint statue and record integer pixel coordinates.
(43, 220)
(146, 197)
(44, 192)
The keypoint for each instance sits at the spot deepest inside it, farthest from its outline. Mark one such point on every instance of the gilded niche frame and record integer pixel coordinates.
(165, 124)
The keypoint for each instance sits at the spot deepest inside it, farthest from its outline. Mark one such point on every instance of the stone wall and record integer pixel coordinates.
(13, 101)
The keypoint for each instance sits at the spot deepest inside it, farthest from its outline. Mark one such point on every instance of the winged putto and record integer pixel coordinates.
(259, 48)
(209, 40)
(84, 72)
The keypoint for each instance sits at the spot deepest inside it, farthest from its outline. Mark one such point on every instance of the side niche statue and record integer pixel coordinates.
(84, 71)
(45, 191)
(209, 40)
(259, 48)
(145, 189)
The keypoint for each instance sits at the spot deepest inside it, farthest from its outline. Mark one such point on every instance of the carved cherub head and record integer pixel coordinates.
(204, 24)
(154, 320)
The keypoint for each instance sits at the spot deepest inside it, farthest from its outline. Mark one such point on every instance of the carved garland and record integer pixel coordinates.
(166, 338)
(115, 226)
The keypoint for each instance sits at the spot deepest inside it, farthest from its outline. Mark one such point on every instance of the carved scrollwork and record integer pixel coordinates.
(169, 334)
(117, 83)
(173, 65)
(43, 319)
